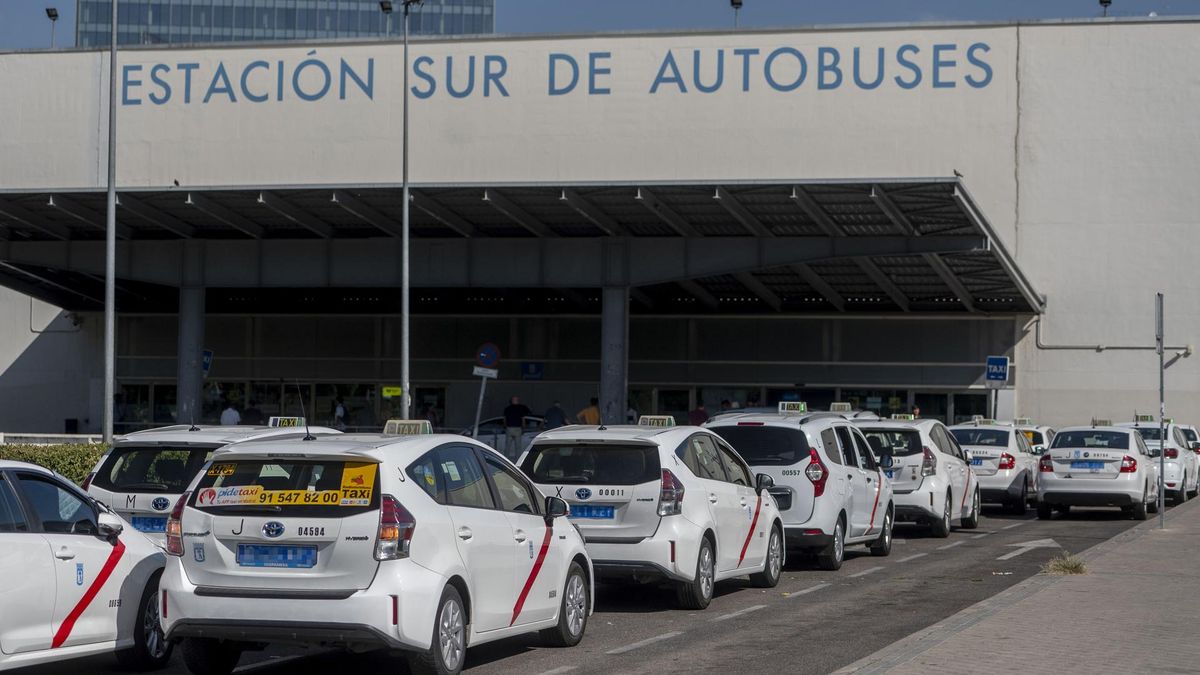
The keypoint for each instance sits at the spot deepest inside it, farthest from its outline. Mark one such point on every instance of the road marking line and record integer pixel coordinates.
(912, 557)
(644, 643)
(740, 612)
(272, 662)
(869, 570)
(558, 670)
(981, 536)
(960, 542)
(808, 590)
(1009, 527)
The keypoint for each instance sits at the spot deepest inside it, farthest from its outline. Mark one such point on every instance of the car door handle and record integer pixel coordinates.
(849, 476)
(743, 501)
(712, 497)
(64, 553)
(465, 533)
(868, 479)
(519, 535)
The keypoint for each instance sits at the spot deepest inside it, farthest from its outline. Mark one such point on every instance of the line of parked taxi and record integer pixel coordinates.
(222, 540)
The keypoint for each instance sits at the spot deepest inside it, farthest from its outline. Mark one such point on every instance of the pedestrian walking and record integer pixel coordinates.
(339, 414)
(230, 416)
(698, 416)
(555, 416)
(514, 426)
(591, 414)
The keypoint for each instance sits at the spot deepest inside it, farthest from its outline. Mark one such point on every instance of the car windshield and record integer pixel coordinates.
(151, 469)
(598, 464)
(765, 445)
(1035, 437)
(1091, 438)
(976, 436)
(895, 442)
(1150, 433)
(1189, 434)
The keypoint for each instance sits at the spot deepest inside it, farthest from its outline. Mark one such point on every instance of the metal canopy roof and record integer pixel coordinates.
(976, 279)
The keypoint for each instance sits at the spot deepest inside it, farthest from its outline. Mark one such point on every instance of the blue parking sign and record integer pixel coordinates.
(997, 369)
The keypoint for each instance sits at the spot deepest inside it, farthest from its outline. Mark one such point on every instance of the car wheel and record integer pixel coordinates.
(1139, 509)
(883, 545)
(449, 647)
(1181, 495)
(940, 528)
(831, 557)
(150, 650)
(972, 521)
(205, 656)
(697, 593)
(1044, 511)
(773, 566)
(573, 611)
(1018, 507)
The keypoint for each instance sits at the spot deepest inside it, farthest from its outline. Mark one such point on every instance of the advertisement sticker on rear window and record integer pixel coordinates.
(222, 469)
(229, 496)
(358, 482)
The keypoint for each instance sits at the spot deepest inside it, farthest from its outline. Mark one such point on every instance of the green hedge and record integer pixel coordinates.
(73, 461)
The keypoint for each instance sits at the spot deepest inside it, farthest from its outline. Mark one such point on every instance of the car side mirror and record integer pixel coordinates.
(967, 456)
(109, 526)
(764, 482)
(556, 507)
(1195, 445)
(887, 462)
(1039, 449)
(1155, 452)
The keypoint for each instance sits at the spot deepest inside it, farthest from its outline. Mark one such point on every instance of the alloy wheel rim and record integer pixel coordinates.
(156, 646)
(706, 569)
(946, 514)
(887, 529)
(839, 546)
(774, 555)
(576, 605)
(450, 635)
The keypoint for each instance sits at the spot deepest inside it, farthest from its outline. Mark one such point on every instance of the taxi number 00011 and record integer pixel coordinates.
(310, 531)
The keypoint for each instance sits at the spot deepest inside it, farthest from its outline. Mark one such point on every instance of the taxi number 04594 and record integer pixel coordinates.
(310, 531)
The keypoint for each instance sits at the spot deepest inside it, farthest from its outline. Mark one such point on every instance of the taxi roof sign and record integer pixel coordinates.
(1138, 417)
(792, 407)
(1168, 420)
(407, 428)
(840, 407)
(286, 422)
(983, 421)
(1023, 422)
(904, 417)
(656, 421)
(1101, 422)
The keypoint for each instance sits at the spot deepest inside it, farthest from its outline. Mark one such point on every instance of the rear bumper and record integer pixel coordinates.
(923, 504)
(1119, 491)
(357, 637)
(1003, 486)
(671, 553)
(1059, 498)
(805, 538)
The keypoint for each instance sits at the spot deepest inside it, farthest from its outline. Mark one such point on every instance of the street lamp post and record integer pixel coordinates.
(52, 14)
(110, 238)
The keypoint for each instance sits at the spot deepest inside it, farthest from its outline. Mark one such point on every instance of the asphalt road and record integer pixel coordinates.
(813, 622)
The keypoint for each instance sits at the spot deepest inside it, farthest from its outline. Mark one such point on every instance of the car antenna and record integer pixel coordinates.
(193, 426)
(307, 434)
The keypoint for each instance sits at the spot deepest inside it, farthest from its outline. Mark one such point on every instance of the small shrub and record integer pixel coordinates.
(73, 461)
(1064, 564)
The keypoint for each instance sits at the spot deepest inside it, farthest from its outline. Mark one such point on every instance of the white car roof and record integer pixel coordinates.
(13, 464)
(969, 425)
(618, 432)
(897, 424)
(1088, 427)
(214, 434)
(817, 420)
(374, 447)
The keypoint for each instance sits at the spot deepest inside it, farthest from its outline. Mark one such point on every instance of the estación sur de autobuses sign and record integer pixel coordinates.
(326, 75)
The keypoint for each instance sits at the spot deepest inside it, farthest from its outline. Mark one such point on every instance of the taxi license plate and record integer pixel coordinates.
(603, 512)
(1090, 466)
(150, 523)
(976, 461)
(256, 555)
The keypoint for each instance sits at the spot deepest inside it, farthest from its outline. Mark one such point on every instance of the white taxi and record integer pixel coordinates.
(1180, 470)
(1101, 465)
(659, 502)
(829, 488)
(932, 479)
(424, 543)
(1039, 436)
(79, 583)
(143, 474)
(1003, 461)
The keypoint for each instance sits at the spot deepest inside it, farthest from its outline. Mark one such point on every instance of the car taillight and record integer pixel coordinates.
(1007, 461)
(1172, 453)
(175, 526)
(396, 529)
(928, 462)
(1045, 464)
(1128, 464)
(816, 472)
(670, 498)
(87, 482)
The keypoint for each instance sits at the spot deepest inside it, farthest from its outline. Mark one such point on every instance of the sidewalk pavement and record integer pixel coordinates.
(1135, 611)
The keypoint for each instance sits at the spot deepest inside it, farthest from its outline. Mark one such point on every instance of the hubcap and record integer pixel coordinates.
(576, 604)
(887, 529)
(946, 515)
(775, 555)
(450, 635)
(839, 546)
(156, 646)
(706, 572)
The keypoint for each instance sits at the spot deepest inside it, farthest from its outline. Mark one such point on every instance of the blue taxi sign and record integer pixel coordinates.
(656, 421)
(996, 371)
(285, 422)
(407, 428)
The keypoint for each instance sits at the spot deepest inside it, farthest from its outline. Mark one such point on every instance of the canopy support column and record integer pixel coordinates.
(189, 352)
(614, 354)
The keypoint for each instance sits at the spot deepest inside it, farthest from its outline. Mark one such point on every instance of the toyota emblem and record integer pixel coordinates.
(161, 504)
(272, 529)
(583, 493)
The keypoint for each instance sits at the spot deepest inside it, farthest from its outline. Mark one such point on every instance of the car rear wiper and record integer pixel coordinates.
(259, 507)
(153, 487)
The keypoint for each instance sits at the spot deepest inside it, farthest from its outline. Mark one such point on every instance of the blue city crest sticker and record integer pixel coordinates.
(78, 574)
(198, 552)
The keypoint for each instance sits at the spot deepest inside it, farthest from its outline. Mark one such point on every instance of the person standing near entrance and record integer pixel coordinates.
(514, 426)
(230, 416)
(252, 415)
(698, 416)
(555, 417)
(591, 414)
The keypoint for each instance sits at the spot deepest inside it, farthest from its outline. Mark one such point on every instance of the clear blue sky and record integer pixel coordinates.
(23, 23)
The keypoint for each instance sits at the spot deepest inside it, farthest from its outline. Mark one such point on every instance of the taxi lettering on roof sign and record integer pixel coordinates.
(285, 422)
(1143, 418)
(984, 422)
(407, 428)
(1023, 422)
(840, 407)
(792, 407)
(656, 421)
(907, 417)
(1100, 422)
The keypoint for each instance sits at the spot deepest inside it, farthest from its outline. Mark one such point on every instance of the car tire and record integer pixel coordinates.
(1044, 511)
(448, 650)
(150, 650)
(1018, 507)
(773, 565)
(572, 611)
(882, 546)
(698, 593)
(1152, 505)
(972, 521)
(1140, 511)
(1181, 495)
(830, 558)
(205, 656)
(940, 528)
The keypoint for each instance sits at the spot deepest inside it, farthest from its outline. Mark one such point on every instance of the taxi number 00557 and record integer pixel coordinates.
(310, 531)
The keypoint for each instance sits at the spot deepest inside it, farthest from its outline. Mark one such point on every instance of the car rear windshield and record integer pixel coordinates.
(582, 464)
(1034, 437)
(151, 469)
(987, 437)
(1115, 440)
(1150, 433)
(1189, 434)
(895, 442)
(766, 445)
(329, 489)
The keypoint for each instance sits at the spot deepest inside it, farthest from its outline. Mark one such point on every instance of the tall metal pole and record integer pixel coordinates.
(1162, 411)
(405, 382)
(110, 239)
(52, 23)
